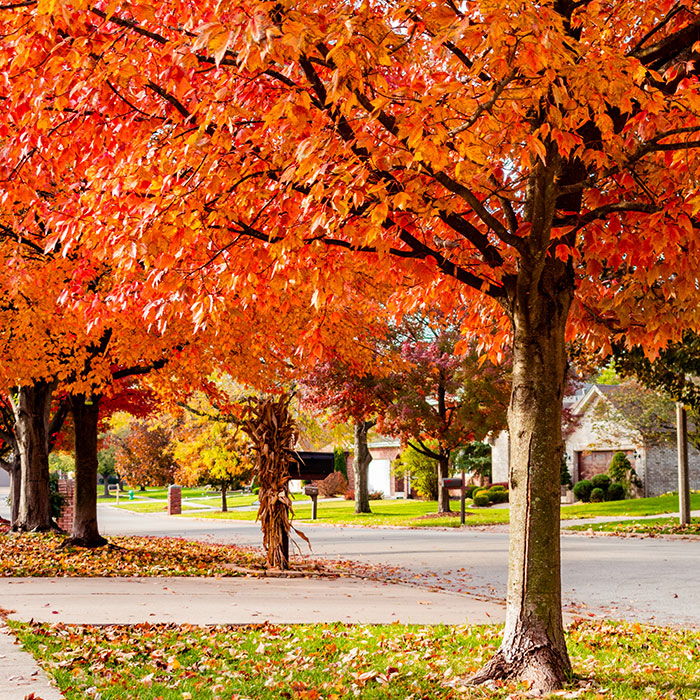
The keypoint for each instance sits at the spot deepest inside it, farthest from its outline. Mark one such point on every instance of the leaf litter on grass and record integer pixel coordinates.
(611, 660)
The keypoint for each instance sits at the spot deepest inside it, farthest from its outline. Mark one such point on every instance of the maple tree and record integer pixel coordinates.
(143, 451)
(536, 156)
(418, 389)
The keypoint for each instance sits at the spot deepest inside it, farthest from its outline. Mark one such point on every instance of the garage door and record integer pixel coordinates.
(592, 462)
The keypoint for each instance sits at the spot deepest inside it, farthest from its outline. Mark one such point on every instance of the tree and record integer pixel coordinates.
(476, 150)
(210, 448)
(474, 458)
(420, 390)
(423, 472)
(143, 451)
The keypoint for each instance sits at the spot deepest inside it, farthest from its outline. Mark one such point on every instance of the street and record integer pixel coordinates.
(646, 580)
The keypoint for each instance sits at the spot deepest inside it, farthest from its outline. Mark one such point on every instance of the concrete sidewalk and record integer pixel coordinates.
(206, 601)
(237, 600)
(20, 675)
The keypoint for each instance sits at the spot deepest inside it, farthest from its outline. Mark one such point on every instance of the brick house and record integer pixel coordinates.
(601, 430)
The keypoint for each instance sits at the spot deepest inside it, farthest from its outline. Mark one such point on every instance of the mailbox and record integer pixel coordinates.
(452, 483)
(311, 490)
(311, 466)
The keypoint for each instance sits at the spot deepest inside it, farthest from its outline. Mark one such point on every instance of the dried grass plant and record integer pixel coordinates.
(272, 430)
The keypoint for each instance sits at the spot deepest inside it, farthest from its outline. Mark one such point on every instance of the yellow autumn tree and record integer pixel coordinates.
(210, 449)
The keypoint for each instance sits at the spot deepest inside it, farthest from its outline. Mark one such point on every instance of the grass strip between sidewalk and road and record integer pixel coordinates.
(36, 554)
(651, 527)
(611, 660)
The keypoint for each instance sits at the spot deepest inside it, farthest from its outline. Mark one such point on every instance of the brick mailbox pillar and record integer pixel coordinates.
(65, 519)
(174, 500)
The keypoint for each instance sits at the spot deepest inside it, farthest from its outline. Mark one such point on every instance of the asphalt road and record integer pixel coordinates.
(646, 580)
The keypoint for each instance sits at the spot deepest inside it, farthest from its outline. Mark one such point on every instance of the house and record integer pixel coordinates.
(620, 418)
(381, 477)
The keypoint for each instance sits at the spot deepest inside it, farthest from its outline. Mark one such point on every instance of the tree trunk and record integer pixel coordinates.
(360, 465)
(15, 470)
(105, 491)
(533, 647)
(86, 413)
(31, 407)
(224, 506)
(443, 473)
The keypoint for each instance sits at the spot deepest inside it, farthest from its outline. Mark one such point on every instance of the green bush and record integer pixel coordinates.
(622, 472)
(56, 499)
(256, 490)
(582, 490)
(481, 499)
(469, 490)
(597, 495)
(498, 495)
(620, 467)
(601, 481)
(497, 487)
(616, 492)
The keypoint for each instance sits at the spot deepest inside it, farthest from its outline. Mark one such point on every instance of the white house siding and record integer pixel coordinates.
(379, 476)
(500, 456)
(4, 478)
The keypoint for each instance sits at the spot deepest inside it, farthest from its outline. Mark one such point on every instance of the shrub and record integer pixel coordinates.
(481, 499)
(498, 495)
(597, 495)
(256, 490)
(601, 481)
(56, 498)
(335, 484)
(582, 490)
(616, 492)
(375, 495)
(350, 495)
(497, 487)
(565, 474)
(469, 490)
(622, 471)
(619, 467)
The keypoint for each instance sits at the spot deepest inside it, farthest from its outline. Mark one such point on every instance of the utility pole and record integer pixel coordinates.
(683, 479)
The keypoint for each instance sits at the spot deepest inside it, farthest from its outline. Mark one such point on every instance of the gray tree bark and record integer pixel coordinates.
(533, 647)
(360, 465)
(86, 413)
(31, 406)
(443, 472)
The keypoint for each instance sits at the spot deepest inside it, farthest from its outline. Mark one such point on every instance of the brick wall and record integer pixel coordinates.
(65, 488)
(661, 473)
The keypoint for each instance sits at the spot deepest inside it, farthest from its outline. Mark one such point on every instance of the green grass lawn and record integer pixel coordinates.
(652, 526)
(612, 661)
(406, 513)
(235, 501)
(636, 506)
(403, 513)
(148, 506)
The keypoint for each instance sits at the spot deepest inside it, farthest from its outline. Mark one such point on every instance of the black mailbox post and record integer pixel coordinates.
(458, 484)
(312, 491)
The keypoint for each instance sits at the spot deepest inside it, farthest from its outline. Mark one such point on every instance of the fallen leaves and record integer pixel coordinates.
(342, 662)
(35, 554)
